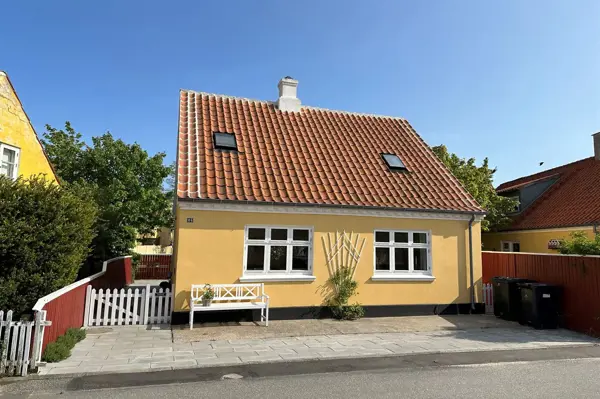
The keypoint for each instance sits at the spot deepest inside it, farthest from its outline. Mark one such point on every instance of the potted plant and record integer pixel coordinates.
(207, 295)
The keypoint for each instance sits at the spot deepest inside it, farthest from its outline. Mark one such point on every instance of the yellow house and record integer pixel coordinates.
(552, 205)
(21, 153)
(276, 192)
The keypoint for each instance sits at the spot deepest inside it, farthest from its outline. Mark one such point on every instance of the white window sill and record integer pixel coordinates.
(401, 277)
(259, 278)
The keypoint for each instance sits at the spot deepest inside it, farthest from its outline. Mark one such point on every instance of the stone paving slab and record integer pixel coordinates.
(106, 353)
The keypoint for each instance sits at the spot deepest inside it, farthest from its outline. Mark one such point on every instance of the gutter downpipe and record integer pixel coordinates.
(471, 263)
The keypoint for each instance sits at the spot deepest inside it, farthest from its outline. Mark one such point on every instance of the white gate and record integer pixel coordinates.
(131, 306)
(19, 343)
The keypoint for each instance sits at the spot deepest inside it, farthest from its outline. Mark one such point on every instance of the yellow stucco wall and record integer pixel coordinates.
(16, 131)
(535, 241)
(210, 250)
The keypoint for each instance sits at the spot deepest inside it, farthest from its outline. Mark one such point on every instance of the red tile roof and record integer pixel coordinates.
(573, 200)
(314, 156)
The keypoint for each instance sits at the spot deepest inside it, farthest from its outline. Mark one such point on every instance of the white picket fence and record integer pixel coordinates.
(127, 307)
(488, 298)
(20, 342)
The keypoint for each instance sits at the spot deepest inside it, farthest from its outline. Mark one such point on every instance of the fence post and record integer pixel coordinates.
(88, 297)
(146, 303)
(3, 362)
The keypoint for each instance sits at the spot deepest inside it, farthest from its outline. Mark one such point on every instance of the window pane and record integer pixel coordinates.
(256, 234)
(516, 247)
(225, 140)
(382, 236)
(301, 235)
(382, 259)
(401, 258)
(400, 237)
(420, 238)
(393, 161)
(256, 257)
(7, 163)
(279, 234)
(300, 258)
(420, 259)
(278, 258)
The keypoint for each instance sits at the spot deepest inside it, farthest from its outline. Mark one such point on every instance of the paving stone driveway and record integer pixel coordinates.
(135, 349)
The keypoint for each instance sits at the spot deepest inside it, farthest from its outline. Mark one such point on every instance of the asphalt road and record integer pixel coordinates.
(534, 379)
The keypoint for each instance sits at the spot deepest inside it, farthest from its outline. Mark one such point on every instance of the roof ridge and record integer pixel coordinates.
(302, 106)
(529, 177)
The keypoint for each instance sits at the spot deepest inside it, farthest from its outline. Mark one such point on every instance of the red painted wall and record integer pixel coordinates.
(579, 277)
(67, 310)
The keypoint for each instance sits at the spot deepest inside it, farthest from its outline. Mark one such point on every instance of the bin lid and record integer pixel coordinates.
(538, 285)
(519, 280)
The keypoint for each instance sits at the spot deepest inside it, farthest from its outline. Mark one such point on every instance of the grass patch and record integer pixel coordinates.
(61, 348)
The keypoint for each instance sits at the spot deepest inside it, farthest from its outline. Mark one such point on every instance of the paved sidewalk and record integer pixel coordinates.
(135, 349)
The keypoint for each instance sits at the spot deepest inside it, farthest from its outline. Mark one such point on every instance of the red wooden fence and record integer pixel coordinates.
(152, 272)
(65, 308)
(154, 267)
(579, 277)
(153, 260)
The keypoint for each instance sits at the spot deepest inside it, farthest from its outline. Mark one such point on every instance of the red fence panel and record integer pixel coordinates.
(152, 273)
(65, 308)
(155, 260)
(579, 277)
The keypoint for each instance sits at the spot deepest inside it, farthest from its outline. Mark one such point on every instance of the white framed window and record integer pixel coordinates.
(402, 255)
(511, 246)
(9, 161)
(278, 253)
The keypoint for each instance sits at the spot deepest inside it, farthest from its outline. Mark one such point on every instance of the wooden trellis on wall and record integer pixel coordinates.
(342, 250)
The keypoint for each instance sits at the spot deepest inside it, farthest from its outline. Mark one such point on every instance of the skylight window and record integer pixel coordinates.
(225, 141)
(393, 162)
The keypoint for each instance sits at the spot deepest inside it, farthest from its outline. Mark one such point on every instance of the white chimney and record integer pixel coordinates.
(596, 145)
(288, 99)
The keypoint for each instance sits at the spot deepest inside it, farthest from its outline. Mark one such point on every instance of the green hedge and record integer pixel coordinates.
(61, 348)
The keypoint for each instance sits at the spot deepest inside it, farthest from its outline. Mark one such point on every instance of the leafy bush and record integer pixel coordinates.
(128, 187)
(343, 288)
(61, 348)
(580, 244)
(45, 233)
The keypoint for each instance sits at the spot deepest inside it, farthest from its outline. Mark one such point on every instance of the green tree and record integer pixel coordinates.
(128, 184)
(45, 235)
(478, 181)
(580, 244)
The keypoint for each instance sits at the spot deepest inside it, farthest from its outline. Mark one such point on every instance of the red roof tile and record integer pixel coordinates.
(573, 200)
(314, 156)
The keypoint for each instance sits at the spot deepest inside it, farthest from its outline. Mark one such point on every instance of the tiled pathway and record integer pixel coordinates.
(135, 349)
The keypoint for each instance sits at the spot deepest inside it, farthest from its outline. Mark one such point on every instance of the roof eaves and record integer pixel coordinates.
(299, 204)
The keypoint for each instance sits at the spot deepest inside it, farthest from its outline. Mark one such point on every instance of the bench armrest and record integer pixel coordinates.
(265, 297)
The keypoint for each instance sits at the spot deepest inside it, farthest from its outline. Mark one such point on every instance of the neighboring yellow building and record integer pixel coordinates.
(21, 153)
(276, 192)
(552, 205)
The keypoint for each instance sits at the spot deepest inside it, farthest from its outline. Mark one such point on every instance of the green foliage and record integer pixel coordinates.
(478, 181)
(343, 288)
(209, 292)
(127, 182)
(45, 233)
(580, 244)
(135, 264)
(61, 348)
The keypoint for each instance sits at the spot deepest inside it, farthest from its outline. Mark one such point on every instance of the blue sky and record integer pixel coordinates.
(516, 81)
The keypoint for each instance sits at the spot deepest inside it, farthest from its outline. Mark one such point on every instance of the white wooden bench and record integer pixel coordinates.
(231, 297)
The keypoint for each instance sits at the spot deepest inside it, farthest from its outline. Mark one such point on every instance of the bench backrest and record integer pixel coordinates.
(230, 292)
